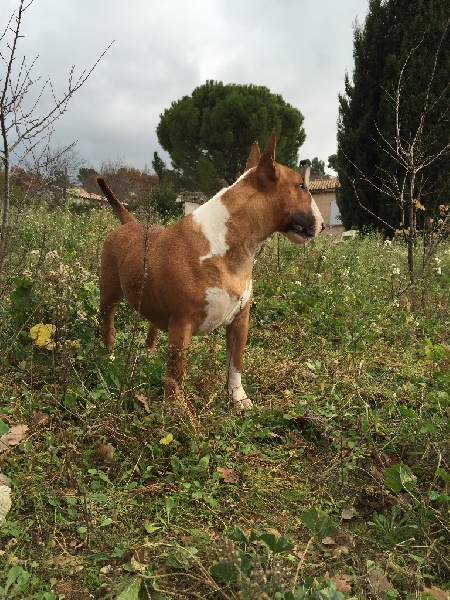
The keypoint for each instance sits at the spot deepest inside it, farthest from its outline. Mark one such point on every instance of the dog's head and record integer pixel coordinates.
(295, 210)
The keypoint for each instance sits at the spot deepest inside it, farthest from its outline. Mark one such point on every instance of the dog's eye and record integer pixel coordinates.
(302, 185)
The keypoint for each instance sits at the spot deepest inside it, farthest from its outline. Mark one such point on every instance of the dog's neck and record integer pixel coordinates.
(237, 219)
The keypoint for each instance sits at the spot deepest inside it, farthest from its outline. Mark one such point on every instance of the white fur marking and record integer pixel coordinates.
(222, 307)
(212, 218)
(317, 216)
(235, 390)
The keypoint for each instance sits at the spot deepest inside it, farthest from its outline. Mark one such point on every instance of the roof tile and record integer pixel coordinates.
(323, 185)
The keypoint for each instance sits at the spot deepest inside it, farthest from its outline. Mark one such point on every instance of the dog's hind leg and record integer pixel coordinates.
(110, 296)
(179, 338)
(150, 340)
(237, 332)
(107, 329)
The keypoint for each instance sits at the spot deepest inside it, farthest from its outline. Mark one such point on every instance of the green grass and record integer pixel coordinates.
(341, 471)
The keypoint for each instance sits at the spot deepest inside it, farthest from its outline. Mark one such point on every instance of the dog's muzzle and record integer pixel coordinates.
(302, 225)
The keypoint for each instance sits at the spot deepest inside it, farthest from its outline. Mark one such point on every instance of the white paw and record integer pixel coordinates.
(235, 390)
(244, 404)
(240, 400)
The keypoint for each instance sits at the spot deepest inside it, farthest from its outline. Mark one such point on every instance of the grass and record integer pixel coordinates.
(335, 485)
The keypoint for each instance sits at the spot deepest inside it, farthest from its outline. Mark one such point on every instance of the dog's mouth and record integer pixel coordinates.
(300, 228)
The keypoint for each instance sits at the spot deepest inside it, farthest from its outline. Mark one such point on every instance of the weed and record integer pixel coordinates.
(345, 454)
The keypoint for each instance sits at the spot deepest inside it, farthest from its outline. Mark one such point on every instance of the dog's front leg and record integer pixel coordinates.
(237, 332)
(179, 338)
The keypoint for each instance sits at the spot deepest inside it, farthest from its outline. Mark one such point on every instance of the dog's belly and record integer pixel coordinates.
(222, 307)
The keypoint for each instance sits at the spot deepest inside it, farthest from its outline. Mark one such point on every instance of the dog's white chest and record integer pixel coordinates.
(222, 307)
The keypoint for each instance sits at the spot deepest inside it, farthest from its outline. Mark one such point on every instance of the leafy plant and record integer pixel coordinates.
(251, 570)
(125, 495)
(394, 527)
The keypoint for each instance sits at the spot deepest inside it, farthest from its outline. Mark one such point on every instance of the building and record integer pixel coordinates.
(191, 200)
(324, 193)
(79, 196)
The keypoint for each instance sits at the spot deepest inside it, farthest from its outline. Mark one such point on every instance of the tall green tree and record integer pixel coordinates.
(208, 134)
(394, 126)
(164, 196)
(317, 168)
(333, 162)
(84, 173)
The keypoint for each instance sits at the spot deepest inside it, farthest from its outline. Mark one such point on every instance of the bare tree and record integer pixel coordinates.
(413, 151)
(23, 130)
(58, 170)
(130, 184)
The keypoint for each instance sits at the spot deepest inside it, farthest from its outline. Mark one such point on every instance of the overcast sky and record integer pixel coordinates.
(164, 49)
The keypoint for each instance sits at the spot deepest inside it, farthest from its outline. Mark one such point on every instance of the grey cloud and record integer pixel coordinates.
(165, 48)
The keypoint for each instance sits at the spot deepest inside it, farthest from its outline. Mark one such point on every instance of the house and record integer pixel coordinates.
(191, 200)
(324, 193)
(79, 196)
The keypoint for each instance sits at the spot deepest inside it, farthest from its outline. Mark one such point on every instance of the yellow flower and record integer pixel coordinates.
(166, 440)
(73, 344)
(41, 334)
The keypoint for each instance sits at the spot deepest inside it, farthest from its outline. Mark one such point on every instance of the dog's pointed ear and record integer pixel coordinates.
(305, 170)
(253, 157)
(266, 163)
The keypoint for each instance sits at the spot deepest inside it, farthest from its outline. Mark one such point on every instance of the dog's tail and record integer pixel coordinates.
(117, 206)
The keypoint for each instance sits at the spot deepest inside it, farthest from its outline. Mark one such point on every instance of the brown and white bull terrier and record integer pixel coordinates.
(196, 274)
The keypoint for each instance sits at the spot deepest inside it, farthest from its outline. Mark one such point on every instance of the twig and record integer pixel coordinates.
(300, 563)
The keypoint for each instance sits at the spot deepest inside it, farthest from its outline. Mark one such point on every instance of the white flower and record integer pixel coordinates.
(395, 270)
(5, 502)
(388, 243)
(439, 270)
(298, 282)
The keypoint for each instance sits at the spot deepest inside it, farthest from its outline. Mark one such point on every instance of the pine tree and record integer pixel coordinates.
(208, 134)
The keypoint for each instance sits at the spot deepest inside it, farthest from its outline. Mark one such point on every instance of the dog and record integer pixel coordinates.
(196, 274)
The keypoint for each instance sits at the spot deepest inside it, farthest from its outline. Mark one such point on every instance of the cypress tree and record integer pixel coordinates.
(407, 37)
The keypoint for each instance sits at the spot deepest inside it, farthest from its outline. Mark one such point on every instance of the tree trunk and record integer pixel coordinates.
(411, 233)
(5, 186)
